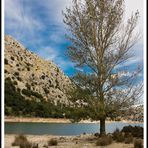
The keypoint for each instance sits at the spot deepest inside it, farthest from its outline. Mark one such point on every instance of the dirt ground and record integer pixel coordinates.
(82, 141)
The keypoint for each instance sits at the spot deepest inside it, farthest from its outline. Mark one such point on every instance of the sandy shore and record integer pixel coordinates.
(82, 141)
(54, 120)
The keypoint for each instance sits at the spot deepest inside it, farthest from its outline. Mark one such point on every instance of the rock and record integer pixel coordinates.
(31, 72)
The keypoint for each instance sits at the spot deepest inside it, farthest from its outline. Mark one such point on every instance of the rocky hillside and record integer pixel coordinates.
(33, 76)
(134, 113)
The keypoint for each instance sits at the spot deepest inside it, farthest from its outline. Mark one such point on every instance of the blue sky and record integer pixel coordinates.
(38, 25)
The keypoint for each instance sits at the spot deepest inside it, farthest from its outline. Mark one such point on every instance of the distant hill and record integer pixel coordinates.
(37, 87)
(31, 72)
(134, 113)
(29, 77)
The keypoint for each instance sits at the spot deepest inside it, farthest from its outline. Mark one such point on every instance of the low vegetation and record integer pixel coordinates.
(52, 142)
(23, 142)
(136, 131)
(128, 134)
(104, 140)
(15, 103)
(138, 143)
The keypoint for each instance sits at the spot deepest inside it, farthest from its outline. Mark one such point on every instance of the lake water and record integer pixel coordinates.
(62, 129)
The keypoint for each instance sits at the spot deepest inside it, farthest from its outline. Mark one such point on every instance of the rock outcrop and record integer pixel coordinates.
(31, 73)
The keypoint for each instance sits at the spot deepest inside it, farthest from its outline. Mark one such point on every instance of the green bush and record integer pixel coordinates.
(26, 92)
(16, 73)
(15, 82)
(28, 68)
(52, 142)
(6, 71)
(138, 143)
(12, 58)
(136, 131)
(6, 61)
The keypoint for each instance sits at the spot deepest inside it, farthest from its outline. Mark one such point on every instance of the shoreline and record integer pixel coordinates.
(56, 120)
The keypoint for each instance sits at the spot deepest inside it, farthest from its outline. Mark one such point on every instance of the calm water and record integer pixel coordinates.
(63, 129)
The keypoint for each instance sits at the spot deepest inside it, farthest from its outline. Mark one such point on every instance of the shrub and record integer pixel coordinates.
(28, 68)
(21, 141)
(28, 86)
(136, 131)
(42, 77)
(118, 136)
(128, 139)
(12, 58)
(21, 58)
(26, 92)
(19, 78)
(96, 134)
(5, 61)
(104, 140)
(52, 142)
(138, 143)
(15, 82)
(16, 73)
(46, 90)
(116, 133)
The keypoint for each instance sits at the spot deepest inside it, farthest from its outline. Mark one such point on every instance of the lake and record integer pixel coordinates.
(61, 129)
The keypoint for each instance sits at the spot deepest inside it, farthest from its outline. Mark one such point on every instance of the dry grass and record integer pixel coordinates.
(23, 142)
(138, 143)
(104, 140)
(52, 142)
(128, 138)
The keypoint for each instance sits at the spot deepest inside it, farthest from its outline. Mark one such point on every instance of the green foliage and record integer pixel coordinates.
(16, 73)
(136, 131)
(28, 68)
(12, 58)
(46, 90)
(6, 61)
(15, 82)
(16, 104)
(30, 93)
(43, 77)
(5, 71)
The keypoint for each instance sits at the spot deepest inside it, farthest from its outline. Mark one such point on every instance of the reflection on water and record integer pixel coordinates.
(63, 129)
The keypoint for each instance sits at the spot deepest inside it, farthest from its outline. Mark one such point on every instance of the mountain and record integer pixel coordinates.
(33, 77)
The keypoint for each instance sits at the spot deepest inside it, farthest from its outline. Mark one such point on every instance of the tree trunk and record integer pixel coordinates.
(102, 126)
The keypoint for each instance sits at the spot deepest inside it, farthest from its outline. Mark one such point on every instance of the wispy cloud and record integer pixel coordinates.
(54, 54)
(38, 24)
(19, 18)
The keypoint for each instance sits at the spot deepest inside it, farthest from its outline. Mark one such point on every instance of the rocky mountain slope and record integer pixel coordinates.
(34, 77)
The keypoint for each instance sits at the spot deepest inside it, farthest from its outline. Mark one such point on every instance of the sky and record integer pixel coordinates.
(38, 25)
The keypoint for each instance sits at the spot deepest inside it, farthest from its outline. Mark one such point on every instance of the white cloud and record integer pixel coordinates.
(24, 23)
(131, 7)
(55, 8)
(19, 18)
(53, 54)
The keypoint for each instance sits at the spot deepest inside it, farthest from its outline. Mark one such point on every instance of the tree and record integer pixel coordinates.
(101, 42)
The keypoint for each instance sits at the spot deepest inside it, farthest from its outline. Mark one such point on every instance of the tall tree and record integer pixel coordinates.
(101, 42)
